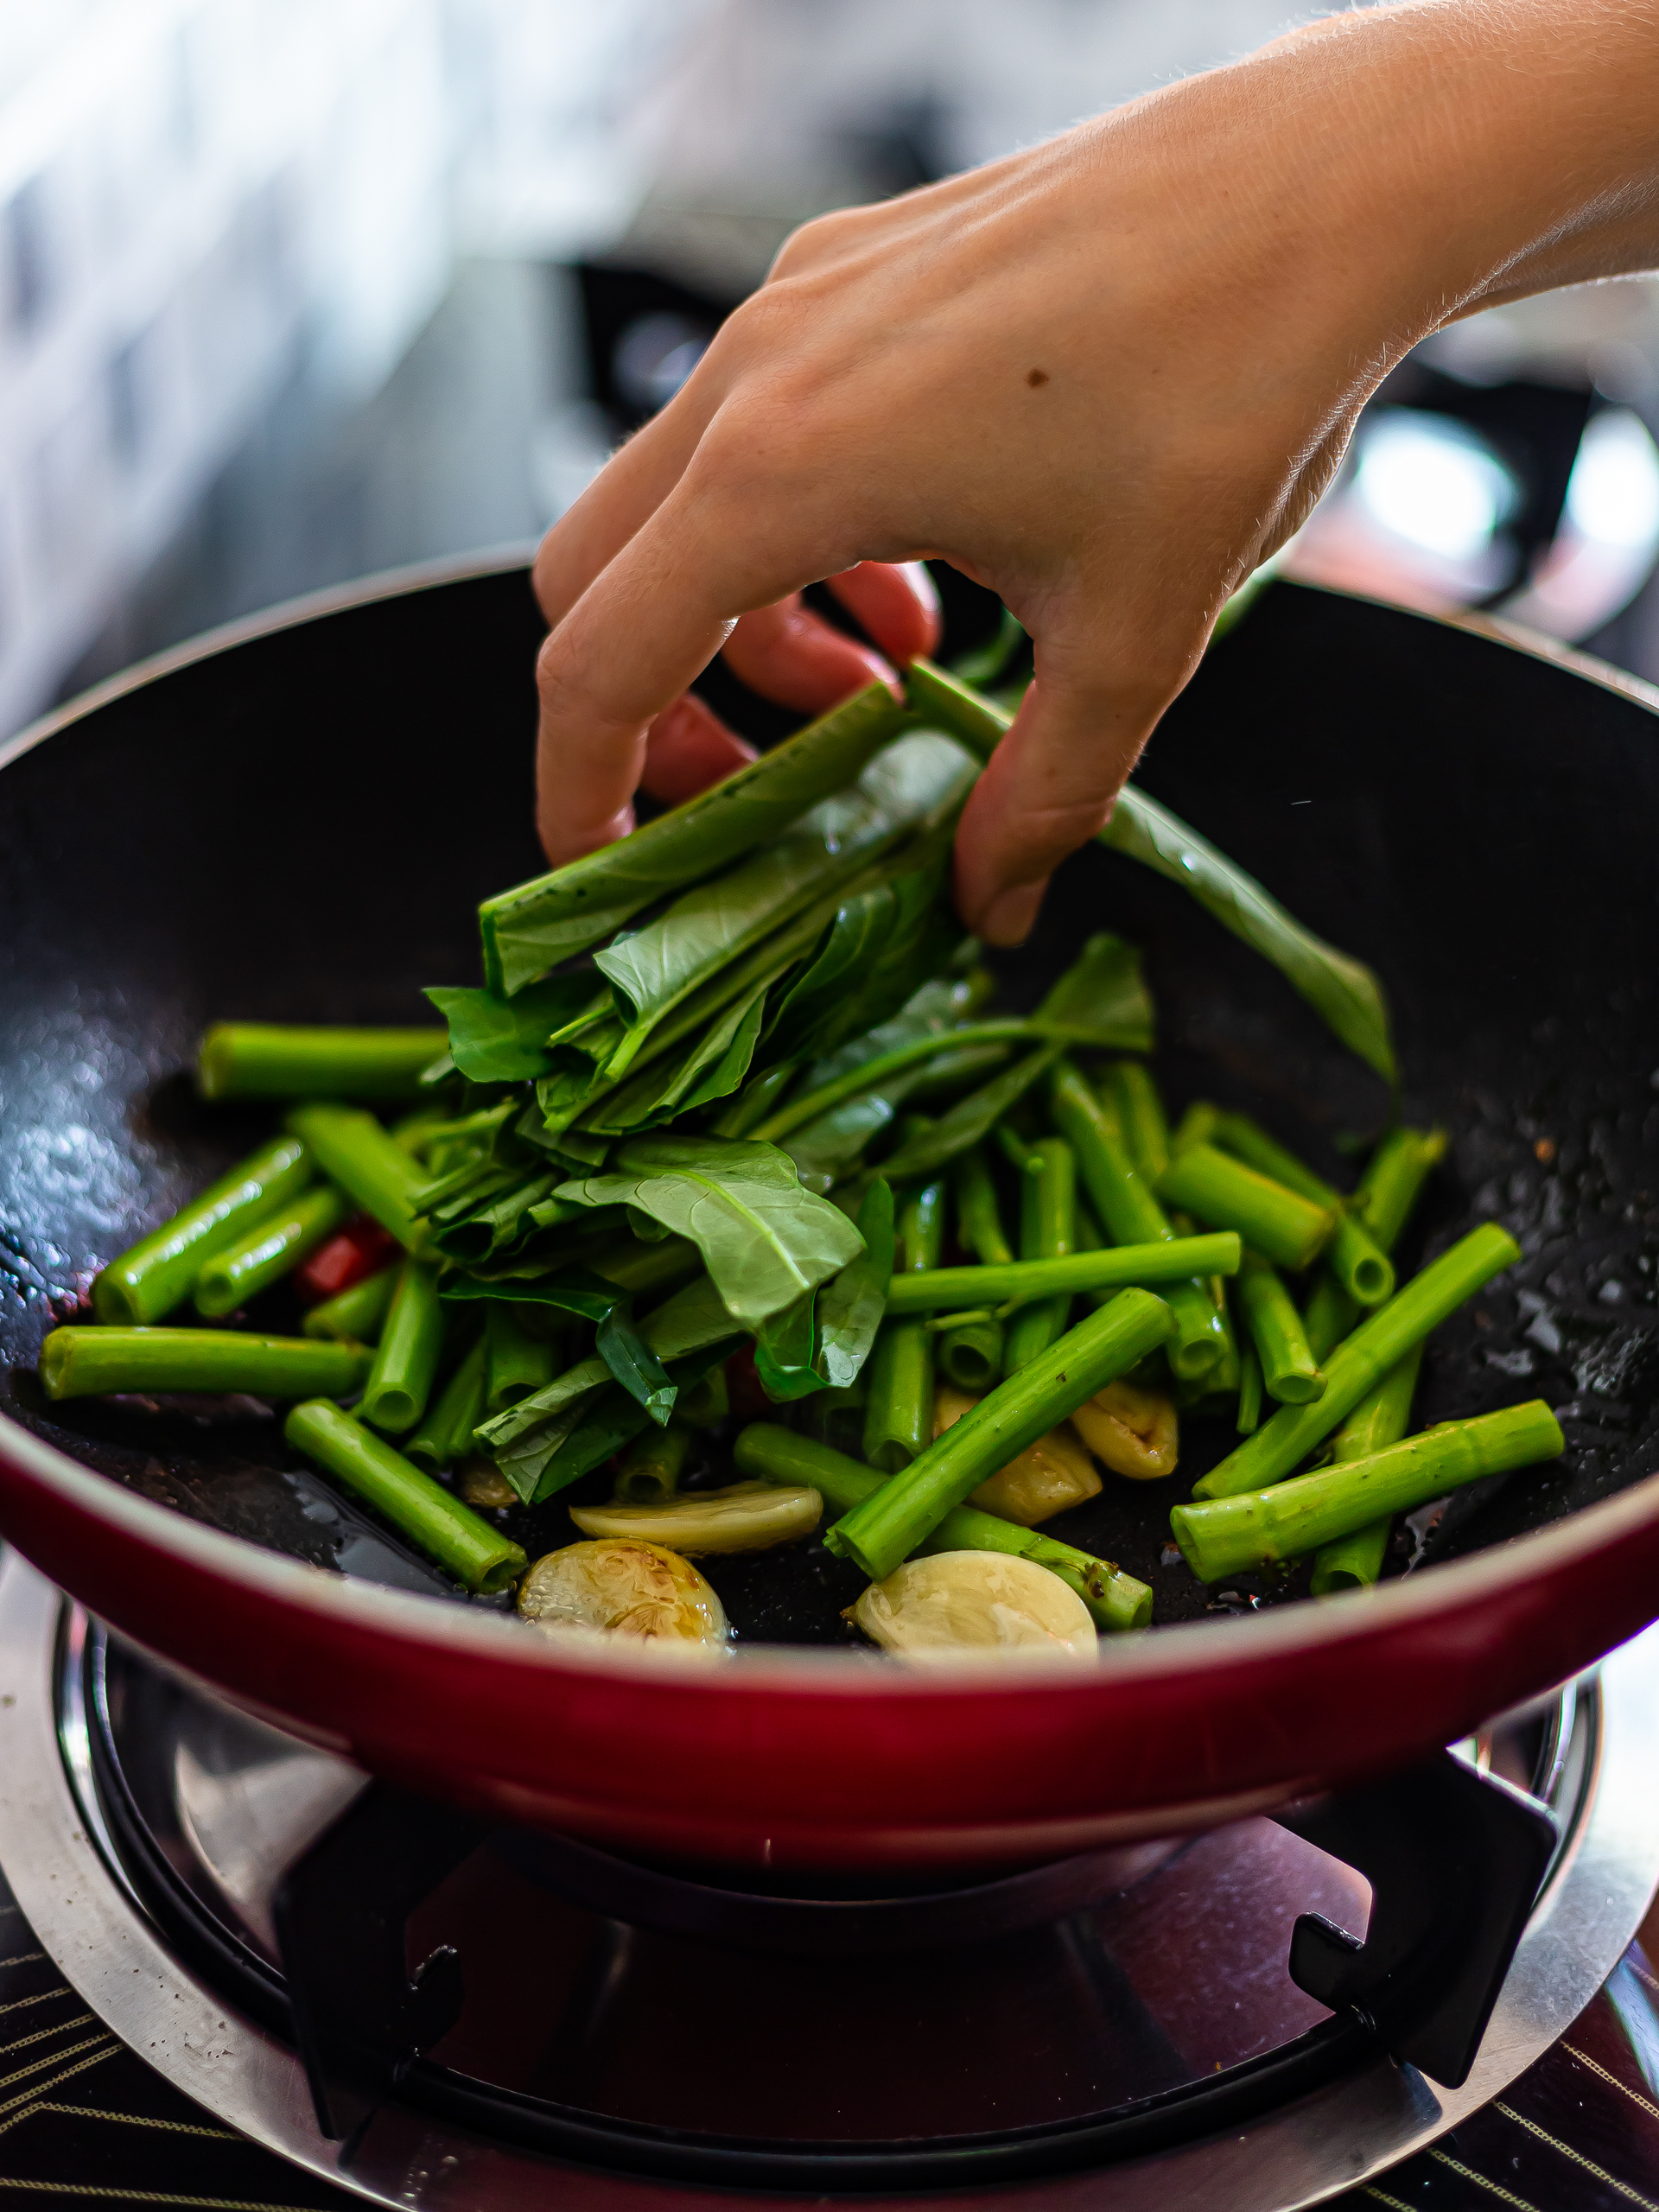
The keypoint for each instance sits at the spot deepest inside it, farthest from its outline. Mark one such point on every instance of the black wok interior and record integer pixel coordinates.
(300, 828)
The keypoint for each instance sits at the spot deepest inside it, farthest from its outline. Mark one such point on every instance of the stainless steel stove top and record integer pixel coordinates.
(1198, 1942)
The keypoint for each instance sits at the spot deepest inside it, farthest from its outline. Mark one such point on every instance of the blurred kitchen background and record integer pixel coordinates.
(292, 290)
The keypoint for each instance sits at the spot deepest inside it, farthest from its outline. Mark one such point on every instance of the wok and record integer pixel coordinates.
(295, 820)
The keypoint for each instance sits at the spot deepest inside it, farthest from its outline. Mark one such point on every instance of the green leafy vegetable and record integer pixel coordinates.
(496, 1040)
(603, 1426)
(707, 928)
(799, 1351)
(539, 924)
(970, 1119)
(764, 1239)
(634, 1363)
(1102, 999)
(1342, 991)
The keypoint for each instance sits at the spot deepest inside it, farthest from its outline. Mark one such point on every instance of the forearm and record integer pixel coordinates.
(1475, 150)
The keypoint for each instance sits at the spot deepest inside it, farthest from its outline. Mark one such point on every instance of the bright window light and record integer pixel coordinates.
(1613, 493)
(1434, 482)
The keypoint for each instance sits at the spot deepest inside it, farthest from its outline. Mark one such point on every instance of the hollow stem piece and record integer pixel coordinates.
(890, 1524)
(271, 1249)
(1360, 1361)
(160, 1271)
(1259, 1528)
(447, 1531)
(77, 1363)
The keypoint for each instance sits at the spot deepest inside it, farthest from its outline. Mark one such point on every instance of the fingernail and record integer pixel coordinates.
(1011, 916)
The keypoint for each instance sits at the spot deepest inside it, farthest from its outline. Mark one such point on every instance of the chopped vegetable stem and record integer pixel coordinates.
(273, 1247)
(1259, 1528)
(1289, 1371)
(899, 1410)
(258, 1060)
(888, 1526)
(1048, 1217)
(450, 1532)
(1283, 1225)
(406, 1359)
(160, 1271)
(357, 1152)
(81, 1363)
(358, 1313)
(1128, 1206)
(1375, 1422)
(1360, 1362)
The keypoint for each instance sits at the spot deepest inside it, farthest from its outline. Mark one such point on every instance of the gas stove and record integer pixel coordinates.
(422, 2011)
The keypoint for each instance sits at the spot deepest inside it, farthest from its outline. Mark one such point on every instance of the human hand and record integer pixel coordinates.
(1106, 378)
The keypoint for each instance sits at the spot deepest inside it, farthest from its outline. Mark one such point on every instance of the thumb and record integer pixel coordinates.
(1051, 783)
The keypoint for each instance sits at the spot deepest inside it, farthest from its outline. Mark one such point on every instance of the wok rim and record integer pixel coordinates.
(1170, 1655)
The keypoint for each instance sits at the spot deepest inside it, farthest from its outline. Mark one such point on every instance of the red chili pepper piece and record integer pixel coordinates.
(361, 1249)
(748, 1401)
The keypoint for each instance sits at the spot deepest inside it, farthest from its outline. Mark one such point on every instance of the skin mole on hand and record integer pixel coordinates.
(1036, 377)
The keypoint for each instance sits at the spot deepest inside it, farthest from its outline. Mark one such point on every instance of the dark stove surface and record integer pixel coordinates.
(83, 2119)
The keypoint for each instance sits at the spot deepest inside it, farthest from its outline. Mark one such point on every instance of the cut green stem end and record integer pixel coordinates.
(447, 1531)
(1260, 1527)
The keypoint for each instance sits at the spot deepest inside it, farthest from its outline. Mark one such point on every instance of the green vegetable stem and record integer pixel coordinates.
(1283, 1225)
(1289, 1371)
(79, 1363)
(445, 1436)
(1048, 1220)
(160, 1270)
(518, 1363)
(539, 924)
(358, 1313)
(1342, 991)
(271, 1249)
(651, 1470)
(1390, 1188)
(972, 1353)
(447, 1531)
(368, 1164)
(1109, 1267)
(1131, 1096)
(1359, 1263)
(979, 1218)
(1258, 1528)
(406, 1359)
(259, 1060)
(890, 1524)
(1249, 1391)
(1359, 1364)
(768, 1454)
(870, 1075)
(1125, 1202)
(899, 1409)
(1375, 1422)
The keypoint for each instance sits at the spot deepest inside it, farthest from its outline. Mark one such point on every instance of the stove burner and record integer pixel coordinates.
(465, 1994)
(543, 1990)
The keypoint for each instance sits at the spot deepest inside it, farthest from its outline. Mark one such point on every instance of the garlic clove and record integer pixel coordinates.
(744, 1517)
(622, 1588)
(951, 1603)
(1131, 1431)
(1049, 1477)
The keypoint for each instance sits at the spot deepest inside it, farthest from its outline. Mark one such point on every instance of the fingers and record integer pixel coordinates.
(627, 491)
(687, 749)
(791, 655)
(895, 601)
(654, 616)
(1049, 787)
